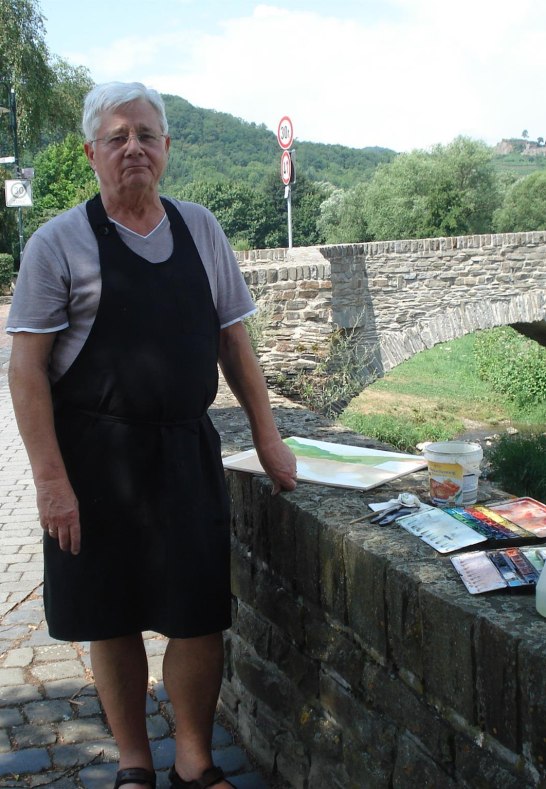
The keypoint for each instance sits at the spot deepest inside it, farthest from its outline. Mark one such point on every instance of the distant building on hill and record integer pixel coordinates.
(525, 147)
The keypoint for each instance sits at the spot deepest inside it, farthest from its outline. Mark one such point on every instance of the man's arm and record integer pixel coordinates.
(31, 395)
(245, 379)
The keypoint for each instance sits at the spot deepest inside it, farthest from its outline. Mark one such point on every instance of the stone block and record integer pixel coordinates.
(365, 579)
(448, 651)
(253, 628)
(299, 668)
(414, 768)
(264, 681)
(40, 712)
(407, 709)
(10, 716)
(324, 775)
(368, 737)
(27, 760)
(82, 730)
(334, 649)
(498, 692)
(532, 694)
(483, 769)
(34, 736)
(280, 606)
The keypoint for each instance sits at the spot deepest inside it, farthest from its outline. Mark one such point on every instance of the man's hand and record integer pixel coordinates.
(279, 463)
(59, 513)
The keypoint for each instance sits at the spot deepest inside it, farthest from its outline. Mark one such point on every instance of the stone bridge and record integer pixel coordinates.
(396, 297)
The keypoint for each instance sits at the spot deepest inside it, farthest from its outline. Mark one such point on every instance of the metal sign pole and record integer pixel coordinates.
(289, 206)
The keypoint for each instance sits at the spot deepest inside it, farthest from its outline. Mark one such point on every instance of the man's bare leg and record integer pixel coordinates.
(120, 668)
(192, 673)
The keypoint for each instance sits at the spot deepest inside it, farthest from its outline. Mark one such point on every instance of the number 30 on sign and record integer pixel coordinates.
(285, 133)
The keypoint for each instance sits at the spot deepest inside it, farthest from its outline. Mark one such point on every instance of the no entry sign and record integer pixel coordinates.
(285, 133)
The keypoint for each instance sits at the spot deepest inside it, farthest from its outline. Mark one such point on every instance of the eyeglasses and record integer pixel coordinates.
(145, 139)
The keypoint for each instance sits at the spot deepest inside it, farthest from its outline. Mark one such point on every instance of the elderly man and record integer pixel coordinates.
(123, 309)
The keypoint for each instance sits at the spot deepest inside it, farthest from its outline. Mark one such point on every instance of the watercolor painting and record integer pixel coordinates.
(339, 465)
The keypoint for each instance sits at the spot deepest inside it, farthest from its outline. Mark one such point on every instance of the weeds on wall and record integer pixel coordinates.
(338, 377)
(261, 320)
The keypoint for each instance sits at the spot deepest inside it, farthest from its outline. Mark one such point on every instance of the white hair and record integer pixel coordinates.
(110, 96)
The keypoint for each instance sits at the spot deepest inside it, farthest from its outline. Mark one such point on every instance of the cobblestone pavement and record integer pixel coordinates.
(52, 730)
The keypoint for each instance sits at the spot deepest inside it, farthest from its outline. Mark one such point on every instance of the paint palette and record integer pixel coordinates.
(440, 530)
(507, 568)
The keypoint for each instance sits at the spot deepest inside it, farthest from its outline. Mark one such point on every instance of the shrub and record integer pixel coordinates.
(512, 364)
(518, 467)
(6, 270)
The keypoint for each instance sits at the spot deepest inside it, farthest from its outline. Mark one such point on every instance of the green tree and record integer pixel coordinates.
(451, 190)
(63, 179)
(240, 209)
(342, 216)
(48, 92)
(524, 206)
(24, 64)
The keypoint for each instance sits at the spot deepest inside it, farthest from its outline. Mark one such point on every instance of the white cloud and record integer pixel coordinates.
(423, 76)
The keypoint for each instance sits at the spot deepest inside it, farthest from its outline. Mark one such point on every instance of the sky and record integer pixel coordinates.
(401, 74)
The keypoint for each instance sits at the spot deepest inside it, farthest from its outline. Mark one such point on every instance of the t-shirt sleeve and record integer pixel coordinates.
(229, 291)
(41, 294)
(234, 301)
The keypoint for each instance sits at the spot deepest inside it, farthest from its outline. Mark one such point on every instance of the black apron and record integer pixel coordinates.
(142, 454)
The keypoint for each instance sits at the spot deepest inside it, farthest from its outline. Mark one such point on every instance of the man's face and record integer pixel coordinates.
(124, 169)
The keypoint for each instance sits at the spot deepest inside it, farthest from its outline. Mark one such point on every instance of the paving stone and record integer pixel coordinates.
(40, 637)
(232, 759)
(59, 780)
(157, 726)
(10, 716)
(18, 694)
(97, 776)
(32, 736)
(83, 752)
(28, 760)
(15, 631)
(163, 752)
(18, 657)
(5, 744)
(82, 729)
(48, 711)
(86, 706)
(54, 652)
(152, 705)
(221, 737)
(65, 688)
(63, 669)
(11, 676)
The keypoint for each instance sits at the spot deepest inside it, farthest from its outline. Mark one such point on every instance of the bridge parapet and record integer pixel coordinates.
(403, 296)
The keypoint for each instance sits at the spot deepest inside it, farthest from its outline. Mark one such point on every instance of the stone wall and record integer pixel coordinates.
(357, 658)
(403, 296)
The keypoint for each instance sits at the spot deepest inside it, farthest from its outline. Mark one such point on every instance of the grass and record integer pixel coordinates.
(435, 395)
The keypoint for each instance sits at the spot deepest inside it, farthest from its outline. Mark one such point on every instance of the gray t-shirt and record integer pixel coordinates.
(58, 287)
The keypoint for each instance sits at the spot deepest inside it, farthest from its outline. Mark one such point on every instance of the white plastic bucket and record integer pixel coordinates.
(454, 470)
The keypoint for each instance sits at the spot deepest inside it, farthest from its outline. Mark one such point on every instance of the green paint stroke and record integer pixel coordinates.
(313, 451)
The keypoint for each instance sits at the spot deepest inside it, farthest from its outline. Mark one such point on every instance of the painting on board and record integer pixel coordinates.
(336, 464)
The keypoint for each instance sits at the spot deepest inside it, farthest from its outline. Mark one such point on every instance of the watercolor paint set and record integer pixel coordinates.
(516, 569)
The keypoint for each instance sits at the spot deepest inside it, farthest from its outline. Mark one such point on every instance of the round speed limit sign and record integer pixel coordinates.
(285, 133)
(286, 168)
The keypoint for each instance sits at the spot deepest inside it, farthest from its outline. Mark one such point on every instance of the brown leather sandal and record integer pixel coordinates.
(135, 775)
(212, 776)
